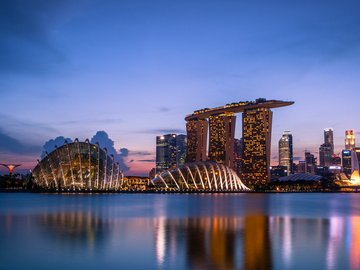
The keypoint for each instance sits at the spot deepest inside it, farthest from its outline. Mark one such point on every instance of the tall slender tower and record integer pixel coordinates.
(221, 141)
(349, 139)
(329, 138)
(286, 151)
(197, 133)
(257, 124)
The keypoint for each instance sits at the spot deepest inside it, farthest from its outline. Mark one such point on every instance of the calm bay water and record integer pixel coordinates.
(179, 231)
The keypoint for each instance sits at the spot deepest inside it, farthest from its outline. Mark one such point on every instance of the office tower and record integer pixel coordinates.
(286, 151)
(329, 138)
(326, 150)
(237, 155)
(346, 162)
(221, 138)
(325, 155)
(181, 143)
(197, 133)
(255, 168)
(310, 162)
(166, 151)
(349, 139)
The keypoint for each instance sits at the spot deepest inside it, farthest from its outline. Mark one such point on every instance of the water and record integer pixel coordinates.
(178, 231)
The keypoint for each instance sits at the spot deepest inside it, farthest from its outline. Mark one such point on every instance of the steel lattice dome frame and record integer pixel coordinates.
(78, 166)
(199, 176)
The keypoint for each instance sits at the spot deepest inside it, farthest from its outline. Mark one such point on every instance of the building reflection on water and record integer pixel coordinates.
(215, 242)
(75, 228)
(258, 242)
(251, 241)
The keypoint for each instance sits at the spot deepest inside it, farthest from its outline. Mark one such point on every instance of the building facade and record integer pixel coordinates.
(197, 133)
(346, 162)
(181, 142)
(286, 157)
(166, 152)
(255, 167)
(325, 155)
(349, 139)
(221, 138)
(311, 162)
(326, 150)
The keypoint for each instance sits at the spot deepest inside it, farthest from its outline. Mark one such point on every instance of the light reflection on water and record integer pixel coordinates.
(245, 231)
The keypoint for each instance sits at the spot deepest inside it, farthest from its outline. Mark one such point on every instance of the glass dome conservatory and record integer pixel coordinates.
(78, 166)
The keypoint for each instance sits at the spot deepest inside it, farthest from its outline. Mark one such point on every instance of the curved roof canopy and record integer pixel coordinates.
(199, 176)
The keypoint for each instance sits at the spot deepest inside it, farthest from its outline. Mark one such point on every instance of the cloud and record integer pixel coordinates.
(165, 131)
(146, 160)
(298, 158)
(104, 141)
(141, 153)
(49, 146)
(164, 109)
(12, 145)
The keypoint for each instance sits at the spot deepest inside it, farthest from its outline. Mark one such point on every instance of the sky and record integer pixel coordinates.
(134, 69)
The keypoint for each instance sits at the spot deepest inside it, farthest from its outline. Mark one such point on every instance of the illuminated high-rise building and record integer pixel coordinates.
(221, 138)
(181, 143)
(166, 152)
(326, 150)
(197, 132)
(349, 139)
(329, 138)
(286, 152)
(310, 162)
(257, 118)
(255, 168)
(346, 162)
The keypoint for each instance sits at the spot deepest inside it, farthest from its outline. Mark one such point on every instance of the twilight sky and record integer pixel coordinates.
(135, 68)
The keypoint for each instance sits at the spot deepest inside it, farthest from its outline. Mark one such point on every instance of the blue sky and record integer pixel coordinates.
(135, 68)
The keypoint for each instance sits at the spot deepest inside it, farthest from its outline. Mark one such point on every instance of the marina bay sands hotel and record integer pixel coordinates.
(218, 124)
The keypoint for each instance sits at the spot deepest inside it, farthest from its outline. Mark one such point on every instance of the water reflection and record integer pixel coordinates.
(213, 232)
(75, 229)
(259, 242)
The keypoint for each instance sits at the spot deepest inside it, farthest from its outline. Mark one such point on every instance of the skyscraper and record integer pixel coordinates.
(255, 167)
(221, 138)
(326, 150)
(181, 143)
(329, 138)
(310, 162)
(346, 162)
(166, 152)
(325, 155)
(349, 139)
(197, 133)
(286, 151)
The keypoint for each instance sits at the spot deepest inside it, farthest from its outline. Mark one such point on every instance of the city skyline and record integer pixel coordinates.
(72, 69)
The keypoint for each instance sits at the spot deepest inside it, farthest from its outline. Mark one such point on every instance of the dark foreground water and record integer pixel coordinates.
(178, 231)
